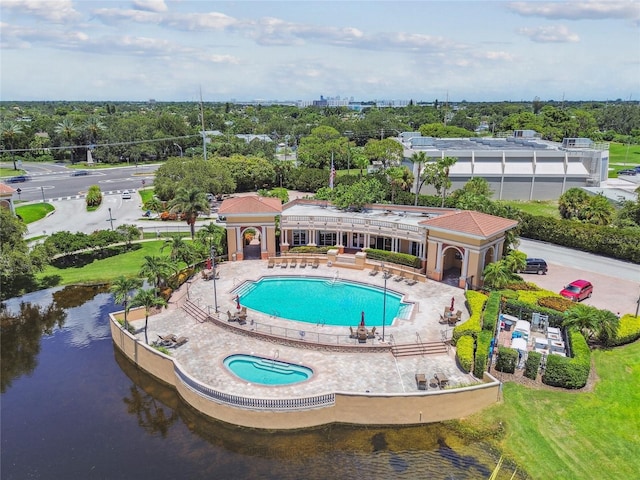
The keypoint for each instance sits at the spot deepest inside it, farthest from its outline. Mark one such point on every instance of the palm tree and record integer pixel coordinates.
(68, 131)
(189, 202)
(399, 177)
(147, 298)
(93, 126)
(584, 318)
(572, 202)
(156, 269)
(419, 158)
(121, 289)
(212, 236)
(496, 275)
(179, 249)
(10, 130)
(608, 323)
(360, 160)
(516, 261)
(599, 211)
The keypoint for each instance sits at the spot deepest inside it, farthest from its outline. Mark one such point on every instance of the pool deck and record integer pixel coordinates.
(334, 371)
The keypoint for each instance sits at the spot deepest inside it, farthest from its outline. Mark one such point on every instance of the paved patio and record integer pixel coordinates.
(334, 371)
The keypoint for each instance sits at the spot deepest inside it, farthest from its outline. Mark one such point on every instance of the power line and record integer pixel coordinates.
(114, 144)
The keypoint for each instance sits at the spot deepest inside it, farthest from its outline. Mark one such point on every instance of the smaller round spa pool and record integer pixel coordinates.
(266, 371)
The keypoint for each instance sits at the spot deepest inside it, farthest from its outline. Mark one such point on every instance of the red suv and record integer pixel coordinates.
(577, 290)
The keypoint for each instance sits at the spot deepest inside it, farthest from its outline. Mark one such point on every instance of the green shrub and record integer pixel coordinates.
(569, 372)
(393, 257)
(94, 196)
(483, 343)
(475, 303)
(491, 311)
(532, 365)
(310, 250)
(628, 330)
(507, 360)
(524, 311)
(464, 352)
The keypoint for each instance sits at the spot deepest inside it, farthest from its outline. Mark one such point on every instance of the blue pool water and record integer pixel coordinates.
(266, 371)
(322, 301)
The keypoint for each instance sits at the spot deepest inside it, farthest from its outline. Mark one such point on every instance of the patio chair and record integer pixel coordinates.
(352, 333)
(421, 381)
(315, 263)
(180, 341)
(372, 333)
(388, 274)
(303, 263)
(271, 263)
(284, 264)
(374, 271)
(294, 263)
(400, 277)
(166, 340)
(230, 317)
(411, 280)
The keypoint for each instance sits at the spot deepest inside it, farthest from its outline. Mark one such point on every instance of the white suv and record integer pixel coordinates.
(126, 195)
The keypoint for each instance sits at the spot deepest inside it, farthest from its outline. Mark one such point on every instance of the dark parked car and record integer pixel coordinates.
(627, 172)
(18, 179)
(79, 173)
(577, 290)
(535, 265)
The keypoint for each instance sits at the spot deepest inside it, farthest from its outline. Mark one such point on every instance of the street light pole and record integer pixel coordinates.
(110, 219)
(179, 148)
(213, 269)
(42, 190)
(384, 305)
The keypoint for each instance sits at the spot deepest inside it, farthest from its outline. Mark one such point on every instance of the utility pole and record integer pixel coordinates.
(204, 135)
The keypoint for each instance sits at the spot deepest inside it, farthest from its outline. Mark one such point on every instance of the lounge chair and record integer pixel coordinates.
(400, 277)
(411, 280)
(315, 263)
(374, 271)
(372, 333)
(180, 341)
(421, 381)
(303, 263)
(166, 340)
(387, 274)
(284, 264)
(230, 317)
(353, 333)
(271, 263)
(294, 263)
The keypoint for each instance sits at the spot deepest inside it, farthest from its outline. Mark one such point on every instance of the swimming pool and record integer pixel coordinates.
(322, 301)
(266, 371)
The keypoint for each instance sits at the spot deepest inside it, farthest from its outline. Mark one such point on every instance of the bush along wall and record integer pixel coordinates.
(507, 360)
(393, 257)
(569, 372)
(483, 342)
(628, 331)
(532, 365)
(475, 303)
(464, 352)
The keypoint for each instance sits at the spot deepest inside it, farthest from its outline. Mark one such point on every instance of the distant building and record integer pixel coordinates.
(519, 167)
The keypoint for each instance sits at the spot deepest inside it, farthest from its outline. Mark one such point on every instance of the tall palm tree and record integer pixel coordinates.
(121, 289)
(93, 127)
(400, 178)
(599, 210)
(190, 202)
(10, 130)
(212, 236)
(360, 160)
(67, 129)
(147, 298)
(419, 158)
(516, 260)
(179, 249)
(156, 269)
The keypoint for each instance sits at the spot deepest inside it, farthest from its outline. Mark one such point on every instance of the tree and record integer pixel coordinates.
(190, 202)
(437, 174)
(324, 143)
(179, 249)
(584, 318)
(94, 196)
(360, 160)
(10, 132)
(608, 323)
(516, 260)
(572, 203)
(121, 289)
(212, 236)
(147, 298)
(598, 211)
(129, 232)
(156, 269)
(387, 151)
(419, 159)
(399, 178)
(496, 275)
(93, 127)
(67, 130)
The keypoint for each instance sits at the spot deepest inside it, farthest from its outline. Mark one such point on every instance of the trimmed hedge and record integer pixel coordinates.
(569, 372)
(507, 360)
(532, 365)
(475, 303)
(306, 249)
(482, 353)
(525, 311)
(491, 312)
(464, 352)
(628, 330)
(393, 257)
(621, 243)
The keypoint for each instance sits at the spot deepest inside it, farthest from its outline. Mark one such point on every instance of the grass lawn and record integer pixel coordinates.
(547, 208)
(10, 172)
(146, 194)
(622, 156)
(99, 271)
(35, 211)
(573, 435)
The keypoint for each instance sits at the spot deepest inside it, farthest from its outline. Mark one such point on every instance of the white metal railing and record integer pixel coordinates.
(303, 403)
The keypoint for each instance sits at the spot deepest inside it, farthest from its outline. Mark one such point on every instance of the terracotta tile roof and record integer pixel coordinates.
(250, 204)
(471, 223)
(6, 190)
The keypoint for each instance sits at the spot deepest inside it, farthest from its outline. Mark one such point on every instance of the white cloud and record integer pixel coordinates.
(60, 11)
(584, 10)
(150, 5)
(550, 34)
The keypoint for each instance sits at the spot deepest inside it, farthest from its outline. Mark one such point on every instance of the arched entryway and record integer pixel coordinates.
(251, 238)
(452, 265)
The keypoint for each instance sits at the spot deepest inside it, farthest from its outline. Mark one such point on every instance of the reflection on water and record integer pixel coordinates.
(71, 411)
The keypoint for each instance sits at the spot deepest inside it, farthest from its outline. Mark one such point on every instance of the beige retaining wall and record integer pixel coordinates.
(353, 408)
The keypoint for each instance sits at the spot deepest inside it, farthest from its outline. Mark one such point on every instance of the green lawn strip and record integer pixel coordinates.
(547, 208)
(35, 211)
(576, 435)
(622, 156)
(10, 172)
(105, 270)
(146, 194)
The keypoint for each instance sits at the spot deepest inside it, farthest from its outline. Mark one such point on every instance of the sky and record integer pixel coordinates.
(181, 50)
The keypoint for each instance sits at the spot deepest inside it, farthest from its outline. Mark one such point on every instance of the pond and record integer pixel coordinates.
(73, 407)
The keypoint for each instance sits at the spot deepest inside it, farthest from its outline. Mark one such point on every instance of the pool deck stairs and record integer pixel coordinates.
(195, 311)
(415, 349)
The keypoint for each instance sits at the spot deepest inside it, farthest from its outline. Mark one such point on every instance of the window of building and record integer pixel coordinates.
(326, 239)
(299, 238)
